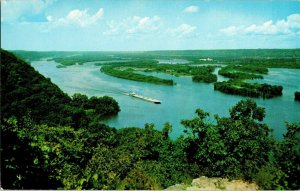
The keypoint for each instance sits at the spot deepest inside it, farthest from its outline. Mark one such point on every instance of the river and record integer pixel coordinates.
(178, 102)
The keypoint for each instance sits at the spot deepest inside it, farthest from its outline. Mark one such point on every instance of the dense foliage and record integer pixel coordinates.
(173, 69)
(217, 148)
(207, 78)
(25, 92)
(242, 72)
(110, 70)
(203, 74)
(248, 89)
(286, 61)
(128, 71)
(237, 85)
(78, 152)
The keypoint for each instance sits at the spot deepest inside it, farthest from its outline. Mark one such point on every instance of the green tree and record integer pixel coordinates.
(288, 157)
(106, 168)
(235, 147)
(167, 129)
(21, 162)
(79, 100)
(138, 179)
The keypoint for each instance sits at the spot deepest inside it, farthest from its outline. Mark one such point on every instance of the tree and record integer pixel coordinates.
(247, 110)
(103, 106)
(167, 129)
(288, 157)
(79, 100)
(138, 179)
(20, 161)
(235, 147)
(79, 118)
(106, 168)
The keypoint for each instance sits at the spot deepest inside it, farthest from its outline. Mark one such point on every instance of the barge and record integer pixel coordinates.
(143, 98)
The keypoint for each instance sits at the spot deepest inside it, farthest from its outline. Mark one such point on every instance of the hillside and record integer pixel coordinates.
(52, 141)
(26, 92)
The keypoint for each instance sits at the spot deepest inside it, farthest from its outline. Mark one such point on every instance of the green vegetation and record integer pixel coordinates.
(39, 55)
(109, 70)
(66, 58)
(173, 69)
(240, 146)
(239, 75)
(297, 96)
(25, 92)
(243, 72)
(53, 141)
(239, 135)
(237, 85)
(202, 73)
(268, 62)
(248, 89)
(269, 58)
(128, 71)
(241, 64)
(207, 78)
(46, 148)
(248, 68)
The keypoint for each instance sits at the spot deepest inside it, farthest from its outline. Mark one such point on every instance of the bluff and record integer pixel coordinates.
(25, 92)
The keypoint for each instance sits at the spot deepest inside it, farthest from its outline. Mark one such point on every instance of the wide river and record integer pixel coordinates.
(178, 102)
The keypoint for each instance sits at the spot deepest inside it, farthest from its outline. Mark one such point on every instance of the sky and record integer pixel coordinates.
(140, 25)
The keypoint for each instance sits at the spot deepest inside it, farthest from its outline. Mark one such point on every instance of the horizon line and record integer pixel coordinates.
(149, 50)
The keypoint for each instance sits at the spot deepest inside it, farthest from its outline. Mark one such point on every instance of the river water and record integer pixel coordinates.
(178, 102)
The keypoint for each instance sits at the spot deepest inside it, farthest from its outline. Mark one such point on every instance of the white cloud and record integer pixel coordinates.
(191, 9)
(294, 20)
(230, 31)
(134, 25)
(291, 25)
(268, 28)
(76, 17)
(183, 30)
(16, 10)
(49, 18)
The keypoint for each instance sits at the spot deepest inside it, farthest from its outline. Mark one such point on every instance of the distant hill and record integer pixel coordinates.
(191, 55)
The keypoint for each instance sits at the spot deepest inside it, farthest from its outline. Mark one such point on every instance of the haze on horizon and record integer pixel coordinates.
(139, 25)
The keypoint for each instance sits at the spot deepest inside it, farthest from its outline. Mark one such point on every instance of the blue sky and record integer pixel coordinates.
(132, 25)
